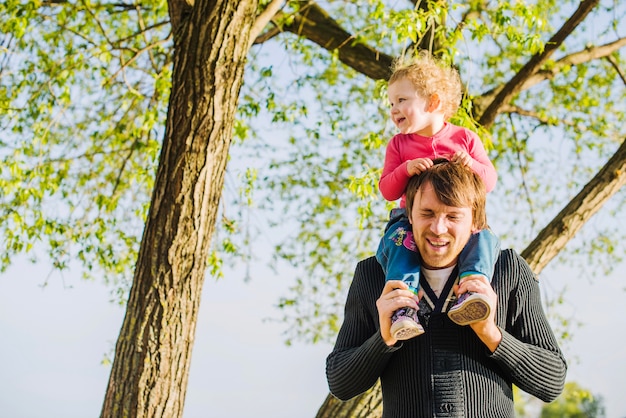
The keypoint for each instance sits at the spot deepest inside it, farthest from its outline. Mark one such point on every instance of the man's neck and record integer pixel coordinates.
(437, 278)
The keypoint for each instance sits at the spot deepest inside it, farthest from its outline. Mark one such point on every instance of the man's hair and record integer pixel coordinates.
(429, 76)
(455, 185)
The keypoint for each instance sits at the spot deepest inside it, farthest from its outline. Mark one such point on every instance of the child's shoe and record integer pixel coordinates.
(469, 308)
(405, 324)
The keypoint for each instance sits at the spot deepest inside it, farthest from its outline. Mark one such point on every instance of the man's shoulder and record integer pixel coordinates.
(508, 255)
(369, 270)
(512, 267)
(369, 267)
(369, 261)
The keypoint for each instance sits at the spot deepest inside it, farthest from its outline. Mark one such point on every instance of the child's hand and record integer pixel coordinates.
(418, 165)
(462, 157)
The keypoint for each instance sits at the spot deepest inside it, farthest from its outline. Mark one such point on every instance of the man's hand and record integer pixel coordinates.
(486, 330)
(395, 295)
(418, 165)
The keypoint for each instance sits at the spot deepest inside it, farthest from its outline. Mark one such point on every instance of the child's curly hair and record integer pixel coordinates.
(430, 76)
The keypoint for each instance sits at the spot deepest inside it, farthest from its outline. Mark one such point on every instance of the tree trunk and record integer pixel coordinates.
(538, 254)
(367, 405)
(153, 351)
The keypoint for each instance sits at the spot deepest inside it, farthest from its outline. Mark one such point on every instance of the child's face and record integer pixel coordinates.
(410, 111)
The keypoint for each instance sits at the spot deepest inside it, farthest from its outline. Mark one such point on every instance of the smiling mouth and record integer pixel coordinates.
(438, 244)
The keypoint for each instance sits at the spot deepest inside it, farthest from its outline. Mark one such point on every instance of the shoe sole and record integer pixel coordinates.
(406, 329)
(474, 309)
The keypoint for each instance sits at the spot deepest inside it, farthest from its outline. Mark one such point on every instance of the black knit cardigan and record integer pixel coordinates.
(448, 371)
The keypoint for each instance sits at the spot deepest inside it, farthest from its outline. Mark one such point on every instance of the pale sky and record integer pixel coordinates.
(53, 340)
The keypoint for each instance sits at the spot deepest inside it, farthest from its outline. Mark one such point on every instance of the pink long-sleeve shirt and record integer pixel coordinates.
(405, 147)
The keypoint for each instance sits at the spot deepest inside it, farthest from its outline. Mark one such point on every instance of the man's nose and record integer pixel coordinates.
(438, 225)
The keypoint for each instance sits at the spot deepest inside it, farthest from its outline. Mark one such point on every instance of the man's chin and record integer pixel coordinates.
(437, 262)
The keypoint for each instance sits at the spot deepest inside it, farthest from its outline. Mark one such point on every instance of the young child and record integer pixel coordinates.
(423, 95)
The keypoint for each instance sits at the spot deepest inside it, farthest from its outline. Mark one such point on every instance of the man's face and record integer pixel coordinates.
(440, 231)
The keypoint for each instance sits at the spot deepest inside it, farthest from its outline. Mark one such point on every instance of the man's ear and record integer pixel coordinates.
(434, 102)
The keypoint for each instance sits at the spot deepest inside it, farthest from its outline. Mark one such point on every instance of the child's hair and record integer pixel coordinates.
(430, 76)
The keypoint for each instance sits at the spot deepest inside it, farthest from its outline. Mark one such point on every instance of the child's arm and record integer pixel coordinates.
(418, 165)
(480, 162)
(400, 166)
(395, 175)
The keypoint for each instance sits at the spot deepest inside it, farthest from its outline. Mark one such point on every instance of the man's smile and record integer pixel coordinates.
(437, 243)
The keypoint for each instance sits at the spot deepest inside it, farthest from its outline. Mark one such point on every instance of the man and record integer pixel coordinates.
(450, 370)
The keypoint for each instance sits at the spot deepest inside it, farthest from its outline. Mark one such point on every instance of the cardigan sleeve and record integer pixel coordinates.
(360, 354)
(529, 351)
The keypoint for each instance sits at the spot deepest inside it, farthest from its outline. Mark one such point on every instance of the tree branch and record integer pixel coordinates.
(615, 65)
(524, 112)
(177, 10)
(515, 85)
(315, 24)
(586, 55)
(263, 19)
(579, 210)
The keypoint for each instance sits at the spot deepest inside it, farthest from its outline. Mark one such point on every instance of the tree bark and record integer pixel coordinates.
(153, 351)
(367, 405)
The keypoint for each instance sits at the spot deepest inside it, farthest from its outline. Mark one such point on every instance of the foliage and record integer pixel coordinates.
(575, 402)
(83, 96)
(326, 156)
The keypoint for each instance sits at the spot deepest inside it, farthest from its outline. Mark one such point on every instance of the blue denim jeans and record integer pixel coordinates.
(400, 259)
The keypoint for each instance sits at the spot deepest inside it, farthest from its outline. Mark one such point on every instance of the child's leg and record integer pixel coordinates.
(479, 256)
(398, 256)
(397, 252)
